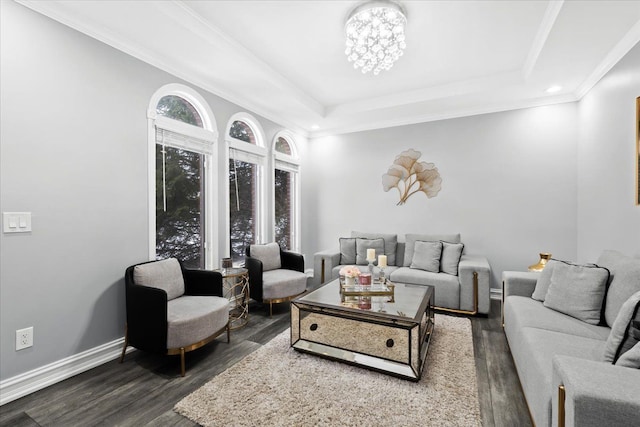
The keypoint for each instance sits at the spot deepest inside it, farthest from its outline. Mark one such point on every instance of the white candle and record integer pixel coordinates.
(371, 254)
(382, 261)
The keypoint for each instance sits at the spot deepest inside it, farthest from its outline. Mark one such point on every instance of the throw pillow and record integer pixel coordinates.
(165, 275)
(269, 254)
(426, 256)
(577, 291)
(347, 250)
(361, 249)
(624, 282)
(390, 243)
(451, 254)
(411, 239)
(624, 330)
(631, 359)
(544, 280)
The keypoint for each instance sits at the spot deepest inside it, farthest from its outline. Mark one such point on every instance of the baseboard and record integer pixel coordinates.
(495, 293)
(21, 385)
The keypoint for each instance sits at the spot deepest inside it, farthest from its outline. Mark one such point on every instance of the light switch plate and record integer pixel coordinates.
(16, 222)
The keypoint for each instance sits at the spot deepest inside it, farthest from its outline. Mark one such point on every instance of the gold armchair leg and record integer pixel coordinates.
(561, 402)
(182, 370)
(126, 343)
(270, 309)
(228, 333)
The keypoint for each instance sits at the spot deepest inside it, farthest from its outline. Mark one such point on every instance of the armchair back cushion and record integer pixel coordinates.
(410, 241)
(268, 254)
(165, 275)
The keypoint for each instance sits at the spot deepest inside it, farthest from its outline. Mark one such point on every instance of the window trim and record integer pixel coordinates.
(209, 132)
(256, 154)
(288, 163)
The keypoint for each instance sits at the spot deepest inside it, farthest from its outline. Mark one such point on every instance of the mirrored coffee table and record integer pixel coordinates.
(388, 333)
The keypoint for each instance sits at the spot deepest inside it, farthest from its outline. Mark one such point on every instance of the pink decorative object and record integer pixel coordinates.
(365, 279)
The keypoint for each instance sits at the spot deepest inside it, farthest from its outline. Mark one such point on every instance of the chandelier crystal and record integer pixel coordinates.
(375, 36)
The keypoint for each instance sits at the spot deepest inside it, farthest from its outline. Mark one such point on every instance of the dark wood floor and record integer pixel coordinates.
(144, 389)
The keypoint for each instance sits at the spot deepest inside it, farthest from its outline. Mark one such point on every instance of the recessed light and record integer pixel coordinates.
(554, 89)
(315, 127)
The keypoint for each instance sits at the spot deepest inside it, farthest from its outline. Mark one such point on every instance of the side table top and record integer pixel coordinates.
(232, 272)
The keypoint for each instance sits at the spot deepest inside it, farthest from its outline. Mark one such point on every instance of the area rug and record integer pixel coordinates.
(278, 386)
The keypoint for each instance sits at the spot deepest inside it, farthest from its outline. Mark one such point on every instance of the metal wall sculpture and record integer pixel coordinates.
(410, 176)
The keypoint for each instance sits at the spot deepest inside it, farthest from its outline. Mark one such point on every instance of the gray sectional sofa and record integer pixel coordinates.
(572, 367)
(461, 281)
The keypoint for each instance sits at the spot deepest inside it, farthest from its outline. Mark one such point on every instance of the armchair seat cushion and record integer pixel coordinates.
(282, 283)
(191, 319)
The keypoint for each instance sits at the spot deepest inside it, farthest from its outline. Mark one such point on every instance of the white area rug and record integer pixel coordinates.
(278, 386)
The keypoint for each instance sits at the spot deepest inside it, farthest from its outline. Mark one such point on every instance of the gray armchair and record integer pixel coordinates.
(173, 310)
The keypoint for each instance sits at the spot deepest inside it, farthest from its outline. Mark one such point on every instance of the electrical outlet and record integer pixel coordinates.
(24, 338)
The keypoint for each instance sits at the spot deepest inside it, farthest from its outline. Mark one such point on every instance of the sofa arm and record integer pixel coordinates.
(470, 266)
(323, 263)
(521, 283)
(594, 393)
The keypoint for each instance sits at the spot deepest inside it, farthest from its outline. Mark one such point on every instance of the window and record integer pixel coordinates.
(285, 193)
(246, 166)
(182, 187)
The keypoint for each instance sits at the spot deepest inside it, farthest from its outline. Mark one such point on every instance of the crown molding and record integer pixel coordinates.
(613, 57)
(546, 25)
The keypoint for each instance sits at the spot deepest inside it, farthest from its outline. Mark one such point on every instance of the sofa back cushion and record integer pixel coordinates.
(165, 275)
(390, 243)
(269, 254)
(410, 241)
(361, 249)
(624, 281)
(578, 291)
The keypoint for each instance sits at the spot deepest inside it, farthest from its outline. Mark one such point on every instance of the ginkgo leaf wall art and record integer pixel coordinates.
(409, 176)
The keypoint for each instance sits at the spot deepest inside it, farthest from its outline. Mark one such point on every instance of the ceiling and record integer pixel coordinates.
(285, 60)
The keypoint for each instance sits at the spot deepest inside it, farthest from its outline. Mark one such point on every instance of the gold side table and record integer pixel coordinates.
(235, 287)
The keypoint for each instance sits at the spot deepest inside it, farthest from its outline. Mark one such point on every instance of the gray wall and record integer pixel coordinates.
(74, 153)
(509, 184)
(607, 215)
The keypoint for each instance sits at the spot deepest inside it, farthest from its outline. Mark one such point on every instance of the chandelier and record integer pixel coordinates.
(375, 36)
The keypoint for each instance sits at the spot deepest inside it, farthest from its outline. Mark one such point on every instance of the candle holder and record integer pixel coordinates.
(371, 266)
(382, 278)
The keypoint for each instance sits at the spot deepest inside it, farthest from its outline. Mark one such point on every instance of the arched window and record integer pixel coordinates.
(182, 138)
(247, 158)
(286, 190)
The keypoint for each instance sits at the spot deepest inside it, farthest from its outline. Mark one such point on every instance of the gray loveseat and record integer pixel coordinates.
(560, 359)
(463, 288)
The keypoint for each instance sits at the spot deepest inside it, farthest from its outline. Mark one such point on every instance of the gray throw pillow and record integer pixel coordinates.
(390, 243)
(269, 254)
(624, 330)
(451, 254)
(426, 256)
(361, 249)
(165, 275)
(411, 239)
(631, 359)
(544, 280)
(624, 281)
(577, 291)
(347, 250)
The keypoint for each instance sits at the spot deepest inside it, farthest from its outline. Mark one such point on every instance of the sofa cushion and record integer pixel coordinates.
(544, 280)
(283, 283)
(165, 275)
(522, 312)
(363, 244)
(193, 318)
(390, 244)
(624, 281)
(622, 337)
(347, 250)
(268, 254)
(426, 256)
(410, 240)
(447, 287)
(451, 254)
(578, 291)
(630, 359)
